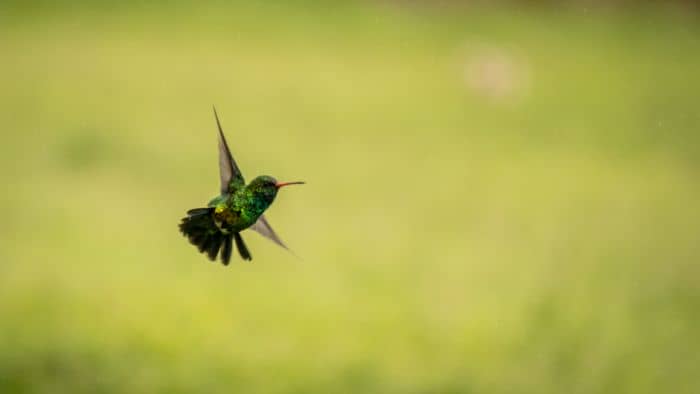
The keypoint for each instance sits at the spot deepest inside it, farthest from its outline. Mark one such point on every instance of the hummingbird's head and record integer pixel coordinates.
(266, 187)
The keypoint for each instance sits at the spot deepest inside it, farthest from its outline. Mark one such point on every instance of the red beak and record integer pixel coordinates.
(281, 184)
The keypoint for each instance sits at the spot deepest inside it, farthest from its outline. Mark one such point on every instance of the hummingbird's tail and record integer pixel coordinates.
(201, 230)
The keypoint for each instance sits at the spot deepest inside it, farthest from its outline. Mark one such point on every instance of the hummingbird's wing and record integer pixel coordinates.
(231, 177)
(263, 228)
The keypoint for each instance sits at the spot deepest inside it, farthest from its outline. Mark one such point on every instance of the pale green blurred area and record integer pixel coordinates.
(499, 199)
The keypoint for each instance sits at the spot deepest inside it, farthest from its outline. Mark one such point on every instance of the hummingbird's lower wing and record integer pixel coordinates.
(263, 228)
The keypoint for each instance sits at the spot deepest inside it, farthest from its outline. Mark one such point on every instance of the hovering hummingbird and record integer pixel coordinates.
(238, 207)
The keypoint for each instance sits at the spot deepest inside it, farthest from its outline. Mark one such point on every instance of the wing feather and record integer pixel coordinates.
(229, 173)
(263, 228)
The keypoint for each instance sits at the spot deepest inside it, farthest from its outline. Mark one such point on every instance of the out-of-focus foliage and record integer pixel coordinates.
(499, 199)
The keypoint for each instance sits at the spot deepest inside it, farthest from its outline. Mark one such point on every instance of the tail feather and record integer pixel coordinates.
(215, 244)
(242, 249)
(198, 239)
(226, 249)
(199, 211)
(202, 232)
(204, 244)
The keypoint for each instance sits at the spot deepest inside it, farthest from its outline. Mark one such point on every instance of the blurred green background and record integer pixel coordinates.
(501, 198)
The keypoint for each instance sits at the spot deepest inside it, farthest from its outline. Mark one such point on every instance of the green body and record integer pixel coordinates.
(240, 209)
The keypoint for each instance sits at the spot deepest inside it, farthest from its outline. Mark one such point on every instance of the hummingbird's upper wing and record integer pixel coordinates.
(231, 177)
(263, 228)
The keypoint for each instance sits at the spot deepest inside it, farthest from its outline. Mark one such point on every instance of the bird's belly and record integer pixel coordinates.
(228, 220)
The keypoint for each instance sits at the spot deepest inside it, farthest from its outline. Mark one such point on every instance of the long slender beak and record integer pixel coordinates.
(281, 184)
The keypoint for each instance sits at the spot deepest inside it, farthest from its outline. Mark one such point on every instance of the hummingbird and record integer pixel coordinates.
(238, 207)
